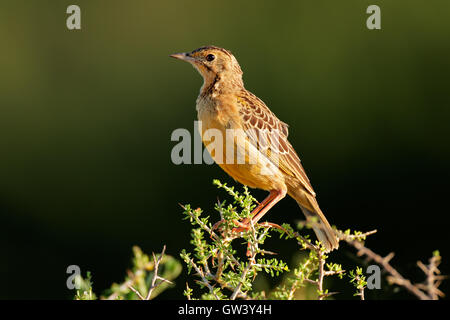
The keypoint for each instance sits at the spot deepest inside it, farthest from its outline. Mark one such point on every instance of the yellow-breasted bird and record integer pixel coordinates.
(224, 104)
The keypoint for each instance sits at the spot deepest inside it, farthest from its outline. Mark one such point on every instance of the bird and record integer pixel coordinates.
(260, 153)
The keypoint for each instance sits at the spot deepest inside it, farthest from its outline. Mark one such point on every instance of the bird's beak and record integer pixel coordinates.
(183, 56)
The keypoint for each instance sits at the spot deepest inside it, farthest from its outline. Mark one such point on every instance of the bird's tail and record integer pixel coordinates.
(326, 235)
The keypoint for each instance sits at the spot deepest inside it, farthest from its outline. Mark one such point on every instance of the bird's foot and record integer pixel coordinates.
(241, 226)
(217, 225)
(246, 225)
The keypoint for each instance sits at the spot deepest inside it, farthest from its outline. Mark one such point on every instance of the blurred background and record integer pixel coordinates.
(86, 118)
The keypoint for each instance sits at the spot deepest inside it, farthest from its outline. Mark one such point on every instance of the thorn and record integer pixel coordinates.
(389, 257)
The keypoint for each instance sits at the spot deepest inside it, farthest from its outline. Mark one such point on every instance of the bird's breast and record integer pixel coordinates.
(223, 137)
(217, 113)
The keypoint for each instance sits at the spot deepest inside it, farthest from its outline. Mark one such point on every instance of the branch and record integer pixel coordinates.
(155, 274)
(433, 277)
(426, 291)
(156, 263)
(203, 277)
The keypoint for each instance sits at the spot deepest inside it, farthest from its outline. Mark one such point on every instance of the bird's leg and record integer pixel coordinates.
(261, 205)
(245, 223)
(261, 209)
(279, 194)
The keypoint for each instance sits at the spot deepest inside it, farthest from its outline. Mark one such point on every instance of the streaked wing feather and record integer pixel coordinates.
(260, 124)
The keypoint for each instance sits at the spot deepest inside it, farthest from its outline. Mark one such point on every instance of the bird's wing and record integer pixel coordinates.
(265, 131)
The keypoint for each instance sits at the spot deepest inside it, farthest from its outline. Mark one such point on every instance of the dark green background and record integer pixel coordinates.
(86, 118)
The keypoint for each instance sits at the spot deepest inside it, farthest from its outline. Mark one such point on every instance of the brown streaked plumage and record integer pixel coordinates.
(271, 162)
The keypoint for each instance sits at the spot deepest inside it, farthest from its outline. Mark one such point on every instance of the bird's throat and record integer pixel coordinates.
(211, 85)
(215, 85)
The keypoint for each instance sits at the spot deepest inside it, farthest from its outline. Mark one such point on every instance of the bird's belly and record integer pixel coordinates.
(252, 175)
(232, 151)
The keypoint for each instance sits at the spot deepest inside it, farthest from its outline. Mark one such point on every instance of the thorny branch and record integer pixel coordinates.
(154, 278)
(312, 271)
(253, 250)
(424, 291)
(433, 277)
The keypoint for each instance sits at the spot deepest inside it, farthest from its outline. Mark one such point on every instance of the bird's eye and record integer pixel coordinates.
(210, 57)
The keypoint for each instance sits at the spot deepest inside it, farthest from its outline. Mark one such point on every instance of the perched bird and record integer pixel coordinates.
(270, 163)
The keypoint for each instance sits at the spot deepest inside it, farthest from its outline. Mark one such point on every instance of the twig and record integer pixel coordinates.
(188, 296)
(321, 274)
(203, 277)
(433, 277)
(202, 224)
(252, 251)
(122, 287)
(136, 291)
(295, 282)
(432, 282)
(396, 277)
(243, 276)
(155, 274)
(129, 283)
(360, 284)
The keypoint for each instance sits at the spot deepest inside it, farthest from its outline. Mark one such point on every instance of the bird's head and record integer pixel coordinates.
(213, 63)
